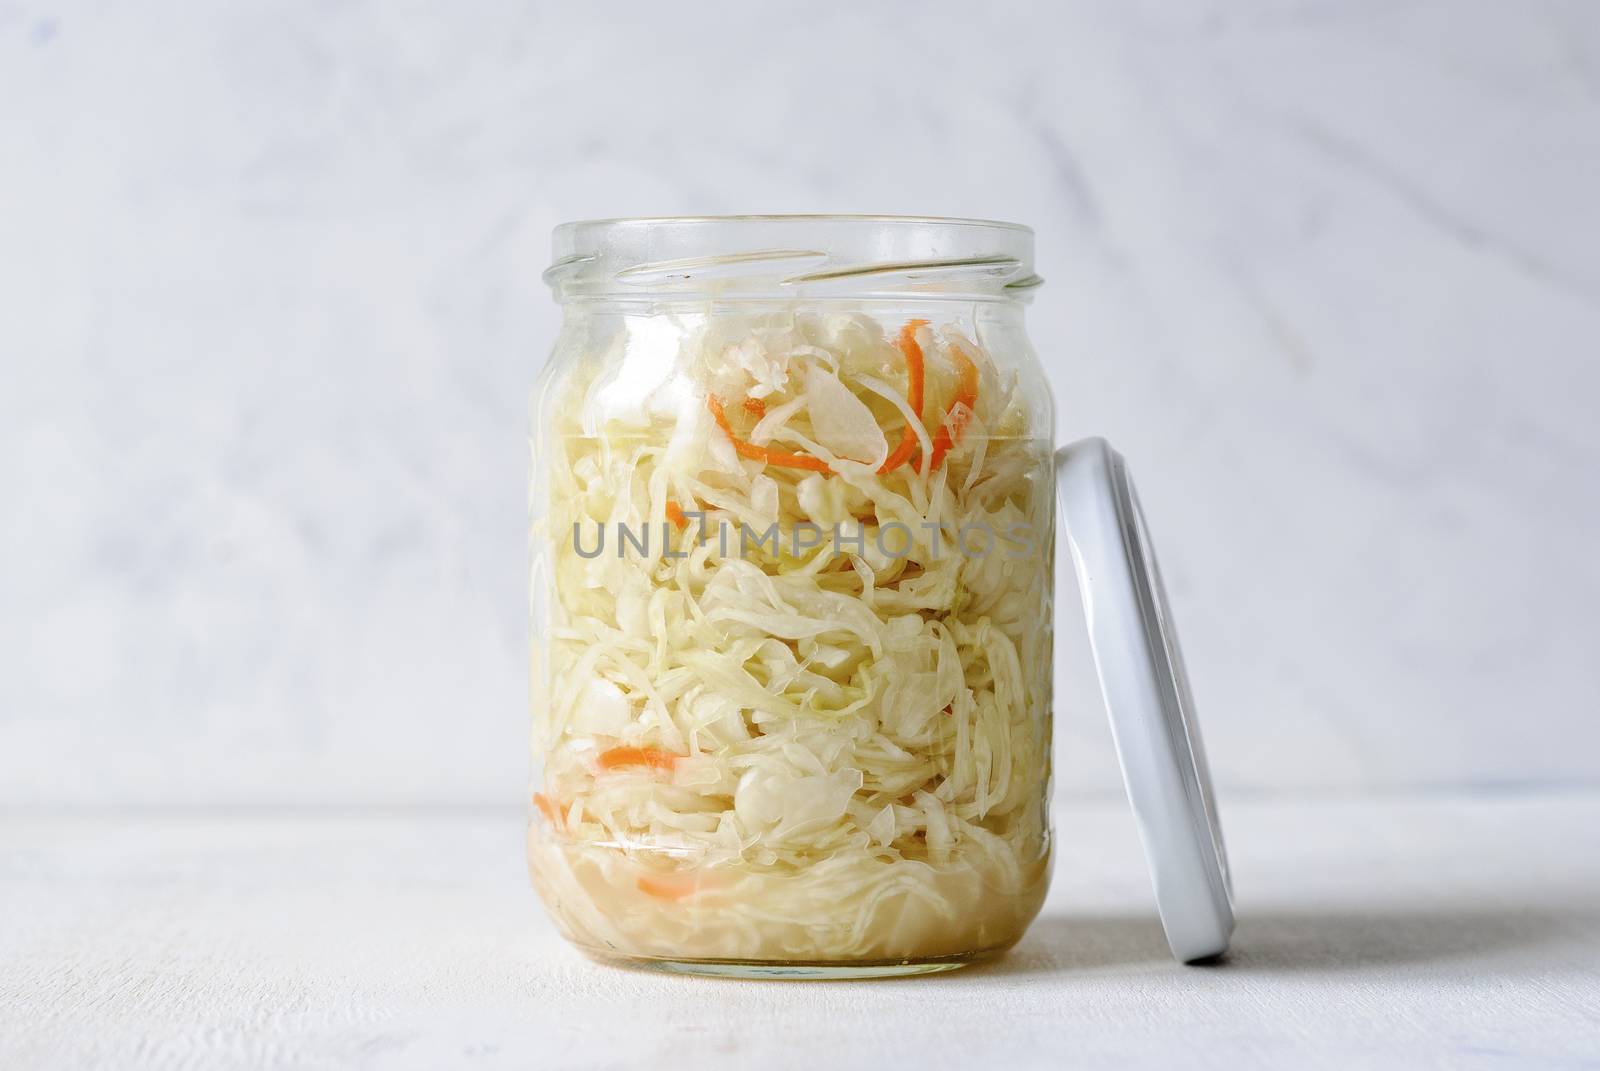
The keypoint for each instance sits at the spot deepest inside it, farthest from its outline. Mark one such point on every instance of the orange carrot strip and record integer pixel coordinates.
(654, 757)
(675, 515)
(761, 453)
(915, 375)
(756, 407)
(667, 886)
(550, 809)
(961, 408)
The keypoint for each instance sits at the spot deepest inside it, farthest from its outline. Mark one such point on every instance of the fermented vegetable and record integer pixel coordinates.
(791, 704)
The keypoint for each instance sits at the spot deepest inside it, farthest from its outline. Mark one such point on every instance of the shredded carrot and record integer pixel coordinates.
(915, 375)
(637, 756)
(961, 408)
(550, 809)
(761, 453)
(755, 407)
(675, 515)
(667, 886)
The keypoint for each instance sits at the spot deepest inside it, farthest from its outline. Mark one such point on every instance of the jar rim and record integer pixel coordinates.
(798, 217)
(792, 256)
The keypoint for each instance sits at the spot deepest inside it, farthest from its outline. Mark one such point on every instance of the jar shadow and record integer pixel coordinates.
(1293, 940)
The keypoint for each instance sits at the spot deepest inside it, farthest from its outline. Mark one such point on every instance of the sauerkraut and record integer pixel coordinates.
(791, 697)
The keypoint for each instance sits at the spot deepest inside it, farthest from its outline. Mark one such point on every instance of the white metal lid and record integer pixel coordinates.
(1147, 696)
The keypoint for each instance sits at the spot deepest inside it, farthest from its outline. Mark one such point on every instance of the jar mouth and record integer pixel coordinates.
(797, 217)
(792, 256)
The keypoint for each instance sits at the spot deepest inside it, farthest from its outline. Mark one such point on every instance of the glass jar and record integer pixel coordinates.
(792, 555)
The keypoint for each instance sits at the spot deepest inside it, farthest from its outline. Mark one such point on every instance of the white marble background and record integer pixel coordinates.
(1328, 273)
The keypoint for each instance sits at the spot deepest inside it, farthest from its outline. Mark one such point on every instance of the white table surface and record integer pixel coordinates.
(1397, 932)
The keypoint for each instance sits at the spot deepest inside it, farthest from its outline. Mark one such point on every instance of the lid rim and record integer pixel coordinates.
(1175, 725)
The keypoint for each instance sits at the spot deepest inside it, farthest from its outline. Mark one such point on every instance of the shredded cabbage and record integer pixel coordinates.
(792, 715)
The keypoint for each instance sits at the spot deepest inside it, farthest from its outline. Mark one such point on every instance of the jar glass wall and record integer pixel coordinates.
(792, 555)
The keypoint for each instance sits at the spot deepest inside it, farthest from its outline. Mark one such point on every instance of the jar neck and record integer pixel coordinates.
(793, 259)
